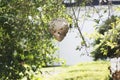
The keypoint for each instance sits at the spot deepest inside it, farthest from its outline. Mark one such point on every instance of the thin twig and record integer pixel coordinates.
(76, 22)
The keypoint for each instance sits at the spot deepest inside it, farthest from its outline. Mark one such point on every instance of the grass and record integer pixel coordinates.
(84, 71)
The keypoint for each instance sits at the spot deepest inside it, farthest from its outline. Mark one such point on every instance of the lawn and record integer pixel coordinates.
(97, 70)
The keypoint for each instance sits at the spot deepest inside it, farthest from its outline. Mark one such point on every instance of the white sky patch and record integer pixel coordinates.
(40, 9)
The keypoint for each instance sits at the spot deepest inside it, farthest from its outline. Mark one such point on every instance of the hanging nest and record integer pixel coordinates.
(59, 28)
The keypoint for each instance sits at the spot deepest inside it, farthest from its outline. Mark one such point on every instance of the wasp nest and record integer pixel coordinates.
(59, 28)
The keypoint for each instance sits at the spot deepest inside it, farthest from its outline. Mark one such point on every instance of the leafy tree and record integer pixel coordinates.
(107, 42)
(25, 43)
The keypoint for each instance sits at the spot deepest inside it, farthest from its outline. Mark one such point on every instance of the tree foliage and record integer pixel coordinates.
(25, 43)
(107, 39)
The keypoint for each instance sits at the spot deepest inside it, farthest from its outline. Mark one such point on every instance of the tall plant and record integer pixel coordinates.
(107, 39)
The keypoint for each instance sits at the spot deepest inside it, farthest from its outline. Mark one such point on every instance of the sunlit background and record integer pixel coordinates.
(67, 47)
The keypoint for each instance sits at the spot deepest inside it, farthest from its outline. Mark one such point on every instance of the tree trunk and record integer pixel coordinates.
(115, 68)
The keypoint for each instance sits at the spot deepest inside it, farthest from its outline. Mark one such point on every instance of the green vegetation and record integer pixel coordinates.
(97, 70)
(24, 36)
(26, 44)
(107, 39)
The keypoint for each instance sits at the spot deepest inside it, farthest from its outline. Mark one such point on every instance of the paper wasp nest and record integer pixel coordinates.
(58, 28)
